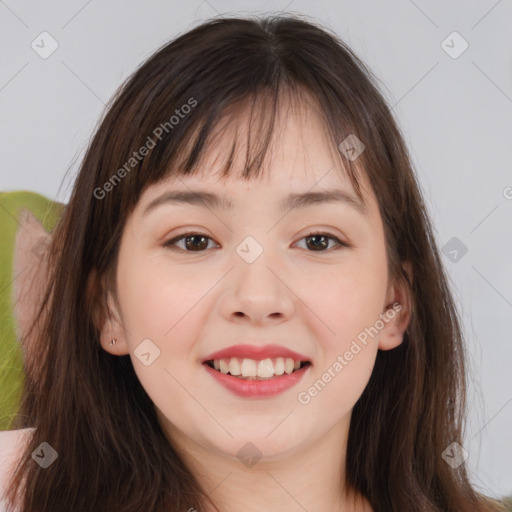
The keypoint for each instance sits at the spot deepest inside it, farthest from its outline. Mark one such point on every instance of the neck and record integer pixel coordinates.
(311, 477)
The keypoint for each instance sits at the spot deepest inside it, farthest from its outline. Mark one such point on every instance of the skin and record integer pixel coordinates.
(313, 301)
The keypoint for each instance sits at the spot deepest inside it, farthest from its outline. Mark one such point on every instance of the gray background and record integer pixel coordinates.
(455, 113)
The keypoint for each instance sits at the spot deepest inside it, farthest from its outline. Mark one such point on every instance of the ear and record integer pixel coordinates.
(106, 315)
(398, 307)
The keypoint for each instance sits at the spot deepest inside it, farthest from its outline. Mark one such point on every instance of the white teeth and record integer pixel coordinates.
(234, 366)
(224, 366)
(265, 368)
(279, 366)
(250, 368)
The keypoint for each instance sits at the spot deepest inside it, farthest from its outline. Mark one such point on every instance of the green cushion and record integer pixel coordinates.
(11, 356)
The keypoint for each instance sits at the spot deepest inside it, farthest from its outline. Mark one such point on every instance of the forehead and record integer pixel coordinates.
(272, 193)
(300, 142)
(301, 157)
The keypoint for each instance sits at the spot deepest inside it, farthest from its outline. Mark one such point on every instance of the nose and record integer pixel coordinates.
(258, 293)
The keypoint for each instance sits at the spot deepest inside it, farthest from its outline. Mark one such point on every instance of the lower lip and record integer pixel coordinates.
(258, 388)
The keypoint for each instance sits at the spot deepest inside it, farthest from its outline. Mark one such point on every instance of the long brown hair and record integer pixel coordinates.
(90, 406)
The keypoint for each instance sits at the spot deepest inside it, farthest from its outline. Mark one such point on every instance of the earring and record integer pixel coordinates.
(113, 342)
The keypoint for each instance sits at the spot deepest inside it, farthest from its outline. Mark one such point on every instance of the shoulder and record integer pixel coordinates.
(12, 444)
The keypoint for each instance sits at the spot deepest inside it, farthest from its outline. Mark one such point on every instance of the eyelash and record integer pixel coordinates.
(171, 244)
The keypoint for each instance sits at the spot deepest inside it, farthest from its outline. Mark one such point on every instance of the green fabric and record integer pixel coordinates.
(11, 356)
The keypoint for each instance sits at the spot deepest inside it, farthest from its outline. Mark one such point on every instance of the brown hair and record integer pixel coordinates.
(90, 406)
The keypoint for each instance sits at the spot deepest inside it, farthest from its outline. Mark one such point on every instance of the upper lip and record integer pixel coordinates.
(255, 352)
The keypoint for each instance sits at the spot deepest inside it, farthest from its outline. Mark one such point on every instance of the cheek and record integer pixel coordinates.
(154, 295)
(349, 298)
(348, 305)
(159, 306)
(165, 305)
(348, 302)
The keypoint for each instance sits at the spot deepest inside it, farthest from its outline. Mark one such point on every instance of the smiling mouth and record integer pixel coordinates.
(277, 373)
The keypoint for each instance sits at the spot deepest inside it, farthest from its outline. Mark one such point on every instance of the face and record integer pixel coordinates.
(254, 275)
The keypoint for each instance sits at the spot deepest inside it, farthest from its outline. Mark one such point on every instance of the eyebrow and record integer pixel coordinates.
(293, 200)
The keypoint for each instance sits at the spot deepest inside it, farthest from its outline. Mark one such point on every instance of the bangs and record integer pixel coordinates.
(250, 127)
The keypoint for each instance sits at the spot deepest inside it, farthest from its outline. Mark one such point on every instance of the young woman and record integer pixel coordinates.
(246, 307)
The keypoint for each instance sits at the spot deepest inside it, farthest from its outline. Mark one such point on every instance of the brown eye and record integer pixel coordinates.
(197, 242)
(194, 242)
(319, 242)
